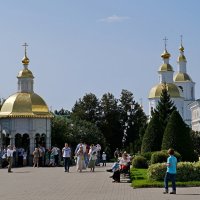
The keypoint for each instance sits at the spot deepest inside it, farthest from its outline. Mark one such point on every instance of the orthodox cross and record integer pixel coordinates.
(165, 39)
(181, 39)
(25, 45)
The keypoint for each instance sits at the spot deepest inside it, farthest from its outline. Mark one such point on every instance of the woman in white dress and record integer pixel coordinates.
(80, 159)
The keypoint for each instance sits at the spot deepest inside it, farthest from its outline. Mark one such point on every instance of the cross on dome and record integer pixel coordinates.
(165, 39)
(25, 60)
(25, 45)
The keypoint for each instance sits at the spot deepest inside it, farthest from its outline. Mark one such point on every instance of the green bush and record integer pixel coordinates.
(156, 171)
(147, 155)
(139, 162)
(186, 171)
(161, 156)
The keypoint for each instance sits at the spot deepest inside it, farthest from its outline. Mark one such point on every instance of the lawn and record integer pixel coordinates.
(139, 180)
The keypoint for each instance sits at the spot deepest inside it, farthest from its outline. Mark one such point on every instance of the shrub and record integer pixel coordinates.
(147, 155)
(139, 162)
(186, 171)
(159, 157)
(156, 171)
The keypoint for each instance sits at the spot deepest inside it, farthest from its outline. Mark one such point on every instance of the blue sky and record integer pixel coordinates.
(98, 46)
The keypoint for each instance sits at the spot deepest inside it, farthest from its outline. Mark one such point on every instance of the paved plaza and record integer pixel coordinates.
(29, 183)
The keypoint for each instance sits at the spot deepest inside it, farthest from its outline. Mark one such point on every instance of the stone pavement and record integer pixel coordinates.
(54, 184)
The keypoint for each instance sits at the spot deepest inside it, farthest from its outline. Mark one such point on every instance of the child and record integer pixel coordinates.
(171, 172)
(104, 159)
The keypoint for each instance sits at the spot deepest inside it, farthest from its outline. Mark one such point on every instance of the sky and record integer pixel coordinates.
(95, 46)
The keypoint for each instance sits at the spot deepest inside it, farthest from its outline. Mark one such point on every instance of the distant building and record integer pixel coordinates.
(180, 86)
(24, 117)
(195, 110)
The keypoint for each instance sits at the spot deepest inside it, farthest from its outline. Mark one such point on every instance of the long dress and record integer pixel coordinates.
(92, 161)
(80, 160)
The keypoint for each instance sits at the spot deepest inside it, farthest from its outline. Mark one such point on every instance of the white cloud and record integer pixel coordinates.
(114, 18)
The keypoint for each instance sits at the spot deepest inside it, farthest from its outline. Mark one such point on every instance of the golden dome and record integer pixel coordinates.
(181, 48)
(182, 77)
(25, 73)
(165, 67)
(165, 54)
(181, 58)
(25, 105)
(172, 89)
(25, 60)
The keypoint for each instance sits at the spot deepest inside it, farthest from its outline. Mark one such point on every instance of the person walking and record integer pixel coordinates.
(10, 151)
(36, 156)
(171, 172)
(66, 152)
(92, 160)
(55, 151)
(80, 165)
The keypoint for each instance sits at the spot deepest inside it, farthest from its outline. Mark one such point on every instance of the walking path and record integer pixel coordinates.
(29, 183)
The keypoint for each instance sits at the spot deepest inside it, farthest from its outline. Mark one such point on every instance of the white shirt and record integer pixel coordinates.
(66, 152)
(10, 152)
(103, 156)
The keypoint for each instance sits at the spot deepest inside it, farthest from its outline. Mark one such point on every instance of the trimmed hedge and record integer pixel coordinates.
(161, 156)
(186, 171)
(139, 162)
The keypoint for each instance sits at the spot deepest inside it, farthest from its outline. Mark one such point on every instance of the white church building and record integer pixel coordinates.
(25, 119)
(179, 85)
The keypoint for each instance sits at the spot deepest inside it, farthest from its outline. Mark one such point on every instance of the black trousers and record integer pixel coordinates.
(66, 163)
(116, 176)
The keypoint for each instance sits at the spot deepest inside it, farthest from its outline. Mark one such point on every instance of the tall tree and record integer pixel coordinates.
(58, 130)
(152, 139)
(133, 119)
(177, 136)
(165, 107)
(110, 121)
(87, 108)
(195, 135)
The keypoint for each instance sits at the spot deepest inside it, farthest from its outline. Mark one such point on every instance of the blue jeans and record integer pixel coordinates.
(66, 163)
(171, 177)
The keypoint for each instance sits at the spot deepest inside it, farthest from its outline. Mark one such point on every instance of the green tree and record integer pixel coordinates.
(85, 131)
(58, 130)
(110, 121)
(165, 107)
(62, 112)
(87, 108)
(152, 139)
(177, 136)
(195, 135)
(134, 118)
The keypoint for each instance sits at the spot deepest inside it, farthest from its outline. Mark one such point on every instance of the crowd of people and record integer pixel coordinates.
(84, 156)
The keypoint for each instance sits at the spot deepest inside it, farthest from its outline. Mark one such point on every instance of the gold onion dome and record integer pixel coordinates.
(172, 89)
(25, 73)
(25, 60)
(181, 48)
(22, 104)
(181, 58)
(165, 54)
(166, 67)
(182, 77)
